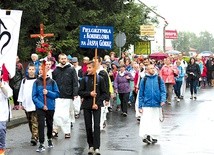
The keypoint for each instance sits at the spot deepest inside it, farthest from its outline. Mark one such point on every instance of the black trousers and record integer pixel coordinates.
(42, 116)
(124, 99)
(15, 96)
(93, 138)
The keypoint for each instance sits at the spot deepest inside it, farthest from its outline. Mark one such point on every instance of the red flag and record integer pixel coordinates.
(5, 76)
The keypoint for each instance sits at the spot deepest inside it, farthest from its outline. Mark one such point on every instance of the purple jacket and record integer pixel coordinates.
(121, 84)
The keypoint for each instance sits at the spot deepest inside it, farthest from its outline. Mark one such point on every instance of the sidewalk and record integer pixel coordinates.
(18, 117)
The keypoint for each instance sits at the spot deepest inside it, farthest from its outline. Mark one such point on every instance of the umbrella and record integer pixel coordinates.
(158, 55)
(173, 52)
(206, 53)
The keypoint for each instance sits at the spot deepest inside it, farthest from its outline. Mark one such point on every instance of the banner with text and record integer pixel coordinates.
(171, 34)
(96, 37)
(10, 21)
(143, 47)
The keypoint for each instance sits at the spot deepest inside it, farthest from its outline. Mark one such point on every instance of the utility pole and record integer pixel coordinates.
(164, 28)
(164, 40)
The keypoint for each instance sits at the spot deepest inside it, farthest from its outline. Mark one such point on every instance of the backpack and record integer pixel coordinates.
(144, 83)
(98, 79)
(86, 79)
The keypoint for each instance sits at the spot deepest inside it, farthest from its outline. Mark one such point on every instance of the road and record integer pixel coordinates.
(188, 129)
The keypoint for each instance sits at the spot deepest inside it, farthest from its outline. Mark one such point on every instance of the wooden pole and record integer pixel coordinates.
(44, 76)
(95, 75)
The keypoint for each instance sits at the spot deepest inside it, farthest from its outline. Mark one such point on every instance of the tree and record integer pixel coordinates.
(63, 18)
(203, 42)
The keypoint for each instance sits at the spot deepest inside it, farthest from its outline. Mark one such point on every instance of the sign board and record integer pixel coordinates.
(143, 47)
(120, 39)
(171, 34)
(147, 30)
(96, 37)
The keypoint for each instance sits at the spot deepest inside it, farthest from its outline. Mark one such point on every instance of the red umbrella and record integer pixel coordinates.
(158, 55)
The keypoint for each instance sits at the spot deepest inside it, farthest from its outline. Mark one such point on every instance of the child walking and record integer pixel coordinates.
(45, 111)
(27, 103)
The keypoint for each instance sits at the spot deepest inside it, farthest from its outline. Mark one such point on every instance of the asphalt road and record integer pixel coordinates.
(188, 129)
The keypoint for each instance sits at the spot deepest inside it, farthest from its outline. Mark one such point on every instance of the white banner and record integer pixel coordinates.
(9, 36)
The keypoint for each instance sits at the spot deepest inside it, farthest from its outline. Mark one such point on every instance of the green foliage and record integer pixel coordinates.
(186, 40)
(63, 18)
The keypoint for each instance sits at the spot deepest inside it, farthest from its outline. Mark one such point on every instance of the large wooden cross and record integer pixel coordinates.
(42, 35)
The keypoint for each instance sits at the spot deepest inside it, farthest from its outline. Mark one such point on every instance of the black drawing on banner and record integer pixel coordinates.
(4, 33)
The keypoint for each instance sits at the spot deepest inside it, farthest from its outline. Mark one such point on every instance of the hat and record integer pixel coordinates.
(74, 59)
(69, 57)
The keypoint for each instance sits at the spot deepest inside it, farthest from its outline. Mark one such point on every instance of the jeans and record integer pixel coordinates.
(193, 86)
(2, 134)
(177, 88)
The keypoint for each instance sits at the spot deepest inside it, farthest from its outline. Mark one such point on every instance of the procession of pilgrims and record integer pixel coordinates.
(127, 81)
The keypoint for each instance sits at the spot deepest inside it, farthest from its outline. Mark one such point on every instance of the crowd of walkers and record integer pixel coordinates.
(128, 81)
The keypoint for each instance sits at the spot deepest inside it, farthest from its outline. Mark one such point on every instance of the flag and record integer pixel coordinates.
(10, 21)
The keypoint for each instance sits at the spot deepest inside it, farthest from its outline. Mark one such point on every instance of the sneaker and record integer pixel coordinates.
(97, 152)
(124, 114)
(33, 142)
(191, 97)
(54, 134)
(41, 148)
(154, 141)
(118, 108)
(195, 97)
(68, 135)
(181, 97)
(147, 140)
(50, 143)
(110, 109)
(178, 100)
(77, 116)
(91, 151)
(138, 118)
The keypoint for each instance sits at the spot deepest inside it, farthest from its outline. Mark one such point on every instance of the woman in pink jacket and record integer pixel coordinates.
(168, 73)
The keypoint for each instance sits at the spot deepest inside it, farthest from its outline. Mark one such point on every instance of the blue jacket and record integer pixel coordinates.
(37, 93)
(180, 75)
(153, 93)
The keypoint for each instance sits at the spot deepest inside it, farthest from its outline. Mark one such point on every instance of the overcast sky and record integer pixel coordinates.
(186, 15)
